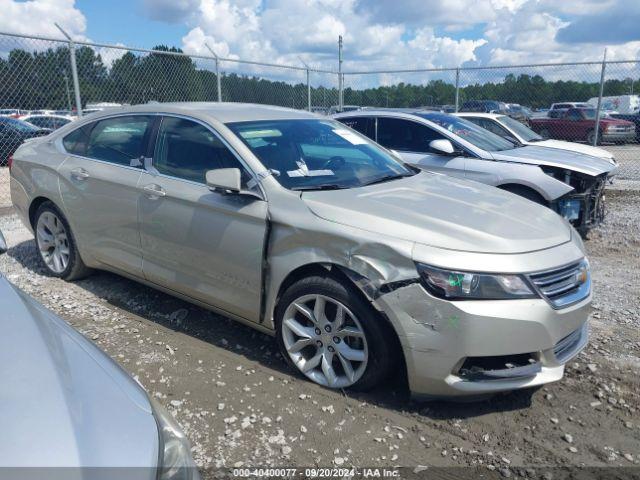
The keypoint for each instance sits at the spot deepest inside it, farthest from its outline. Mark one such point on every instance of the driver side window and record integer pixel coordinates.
(187, 150)
(574, 114)
(490, 125)
(405, 135)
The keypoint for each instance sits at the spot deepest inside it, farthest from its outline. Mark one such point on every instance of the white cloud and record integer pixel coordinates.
(283, 31)
(38, 17)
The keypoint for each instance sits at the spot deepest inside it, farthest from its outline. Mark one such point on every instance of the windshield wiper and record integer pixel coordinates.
(388, 179)
(326, 186)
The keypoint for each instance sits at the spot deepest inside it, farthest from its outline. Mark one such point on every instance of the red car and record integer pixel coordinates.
(579, 124)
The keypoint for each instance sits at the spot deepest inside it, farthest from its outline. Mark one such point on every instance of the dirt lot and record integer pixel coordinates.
(240, 405)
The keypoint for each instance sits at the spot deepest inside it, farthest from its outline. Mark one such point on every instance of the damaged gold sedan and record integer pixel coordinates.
(302, 228)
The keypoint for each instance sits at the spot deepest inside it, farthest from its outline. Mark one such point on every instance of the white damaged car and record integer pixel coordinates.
(569, 183)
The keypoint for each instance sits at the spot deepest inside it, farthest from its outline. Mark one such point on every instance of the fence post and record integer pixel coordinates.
(66, 89)
(219, 85)
(308, 83)
(74, 70)
(308, 92)
(340, 77)
(457, 88)
(602, 73)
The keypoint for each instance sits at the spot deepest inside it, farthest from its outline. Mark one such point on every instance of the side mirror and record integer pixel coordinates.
(442, 146)
(3, 244)
(225, 179)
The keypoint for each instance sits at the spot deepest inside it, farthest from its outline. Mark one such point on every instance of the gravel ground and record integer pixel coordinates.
(241, 406)
(628, 157)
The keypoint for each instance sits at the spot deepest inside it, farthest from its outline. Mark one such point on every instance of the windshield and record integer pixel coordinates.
(520, 129)
(316, 154)
(589, 113)
(472, 133)
(19, 125)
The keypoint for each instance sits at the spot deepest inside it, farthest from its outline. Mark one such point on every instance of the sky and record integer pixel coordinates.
(378, 34)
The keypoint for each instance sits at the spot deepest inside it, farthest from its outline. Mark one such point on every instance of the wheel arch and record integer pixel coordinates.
(514, 187)
(350, 277)
(33, 208)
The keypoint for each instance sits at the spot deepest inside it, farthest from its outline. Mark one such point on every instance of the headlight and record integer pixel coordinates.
(453, 285)
(176, 462)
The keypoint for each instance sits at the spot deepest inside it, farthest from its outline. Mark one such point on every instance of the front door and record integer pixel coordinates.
(411, 140)
(99, 189)
(204, 244)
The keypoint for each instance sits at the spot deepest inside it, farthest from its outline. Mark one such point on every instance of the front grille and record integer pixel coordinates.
(564, 286)
(621, 129)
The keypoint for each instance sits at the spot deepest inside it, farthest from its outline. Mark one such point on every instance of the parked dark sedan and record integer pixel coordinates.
(13, 132)
(484, 106)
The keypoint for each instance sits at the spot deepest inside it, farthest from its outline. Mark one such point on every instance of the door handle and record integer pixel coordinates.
(154, 191)
(79, 173)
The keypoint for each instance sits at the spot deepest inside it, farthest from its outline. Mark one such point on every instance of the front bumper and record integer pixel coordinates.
(447, 344)
(591, 206)
(619, 137)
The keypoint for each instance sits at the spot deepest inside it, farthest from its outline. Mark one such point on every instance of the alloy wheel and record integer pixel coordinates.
(325, 341)
(53, 242)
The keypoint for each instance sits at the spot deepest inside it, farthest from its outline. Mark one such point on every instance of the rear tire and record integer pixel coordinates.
(544, 133)
(56, 244)
(355, 352)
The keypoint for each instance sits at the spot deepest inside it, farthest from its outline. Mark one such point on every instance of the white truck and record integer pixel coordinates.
(625, 104)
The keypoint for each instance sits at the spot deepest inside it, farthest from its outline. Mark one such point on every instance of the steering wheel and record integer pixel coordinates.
(334, 163)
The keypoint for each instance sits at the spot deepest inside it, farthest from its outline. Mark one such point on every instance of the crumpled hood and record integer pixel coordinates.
(556, 158)
(576, 147)
(64, 402)
(444, 212)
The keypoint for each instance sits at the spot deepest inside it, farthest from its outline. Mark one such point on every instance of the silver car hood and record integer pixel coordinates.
(574, 147)
(64, 402)
(555, 157)
(444, 212)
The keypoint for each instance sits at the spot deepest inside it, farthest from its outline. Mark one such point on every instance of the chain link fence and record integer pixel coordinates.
(593, 103)
(554, 101)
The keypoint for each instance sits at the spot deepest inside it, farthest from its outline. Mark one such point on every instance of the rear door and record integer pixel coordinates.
(204, 244)
(411, 140)
(99, 188)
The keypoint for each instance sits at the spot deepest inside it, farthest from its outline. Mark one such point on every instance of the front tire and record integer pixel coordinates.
(591, 136)
(56, 244)
(330, 334)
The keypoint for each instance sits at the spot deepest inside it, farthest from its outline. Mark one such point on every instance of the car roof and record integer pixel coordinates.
(224, 112)
(493, 116)
(397, 112)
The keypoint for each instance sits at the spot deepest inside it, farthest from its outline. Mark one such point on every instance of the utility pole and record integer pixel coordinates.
(340, 78)
(217, 71)
(74, 70)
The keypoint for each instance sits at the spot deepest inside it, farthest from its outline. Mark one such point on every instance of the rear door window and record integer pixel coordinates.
(119, 140)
